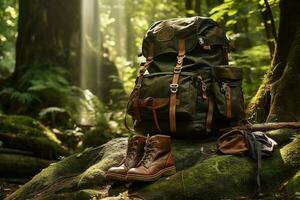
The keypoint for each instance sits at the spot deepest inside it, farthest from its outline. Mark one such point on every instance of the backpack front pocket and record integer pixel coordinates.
(228, 94)
(154, 97)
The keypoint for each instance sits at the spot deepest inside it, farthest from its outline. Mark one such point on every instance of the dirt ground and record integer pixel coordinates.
(7, 187)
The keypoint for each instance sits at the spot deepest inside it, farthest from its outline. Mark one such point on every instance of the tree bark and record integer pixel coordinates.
(189, 7)
(269, 24)
(265, 126)
(279, 84)
(48, 33)
(198, 7)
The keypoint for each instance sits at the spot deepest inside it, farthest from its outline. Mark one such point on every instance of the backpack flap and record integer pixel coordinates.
(228, 94)
(197, 32)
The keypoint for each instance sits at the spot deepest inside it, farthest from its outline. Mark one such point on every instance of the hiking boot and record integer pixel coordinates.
(135, 152)
(156, 162)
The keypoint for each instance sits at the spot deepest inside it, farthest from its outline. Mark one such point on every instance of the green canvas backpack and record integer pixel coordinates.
(186, 88)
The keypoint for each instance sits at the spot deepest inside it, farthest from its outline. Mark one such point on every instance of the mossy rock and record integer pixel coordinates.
(201, 174)
(293, 186)
(14, 165)
(25, 133)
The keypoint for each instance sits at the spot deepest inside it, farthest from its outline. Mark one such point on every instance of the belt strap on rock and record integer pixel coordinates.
(174, 85)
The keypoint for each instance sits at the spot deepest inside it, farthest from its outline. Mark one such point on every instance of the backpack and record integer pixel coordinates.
(185, 87)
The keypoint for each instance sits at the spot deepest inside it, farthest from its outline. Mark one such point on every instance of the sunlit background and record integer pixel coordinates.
(103, 49)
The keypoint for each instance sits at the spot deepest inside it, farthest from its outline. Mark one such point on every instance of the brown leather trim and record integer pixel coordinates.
(155, 103)
(136, 111)
(210, 113)
(228, 102)
(174, 84)
(155, 119)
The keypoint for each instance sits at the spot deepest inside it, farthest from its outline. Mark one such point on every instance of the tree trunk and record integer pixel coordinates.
(277, 97)
(269, 24)
(189, 8)
(48, 33)
(198, 7)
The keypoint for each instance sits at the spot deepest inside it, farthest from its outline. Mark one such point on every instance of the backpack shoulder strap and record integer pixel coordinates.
(174, 85)
(136, 113)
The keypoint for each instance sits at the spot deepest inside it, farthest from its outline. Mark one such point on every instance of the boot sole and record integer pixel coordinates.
(164, 172)
(115, 176)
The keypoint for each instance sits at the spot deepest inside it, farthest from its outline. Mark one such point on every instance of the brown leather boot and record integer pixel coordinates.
(134, 154)
(156, 162)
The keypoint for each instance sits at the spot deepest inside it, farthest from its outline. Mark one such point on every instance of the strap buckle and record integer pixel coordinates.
(180, 59)
(177, 70)
(173, 87)
(137, 86)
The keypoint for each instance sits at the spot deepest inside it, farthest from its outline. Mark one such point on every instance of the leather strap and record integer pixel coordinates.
(155, 117)
(210, 113)
(258, 175)
(158, 102)
(174, 84)
(228, 101)
(136, 111)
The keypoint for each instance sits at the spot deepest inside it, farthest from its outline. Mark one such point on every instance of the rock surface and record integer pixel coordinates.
(201, 174)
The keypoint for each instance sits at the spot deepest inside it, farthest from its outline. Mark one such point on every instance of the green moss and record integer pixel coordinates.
(226, 177)
(78, 172)
(208, 177)
(19, 124)
(289, 154)
(79, 195)
(283, 136)
(293, 186)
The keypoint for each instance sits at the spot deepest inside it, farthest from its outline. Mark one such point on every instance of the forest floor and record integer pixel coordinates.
(7, 188)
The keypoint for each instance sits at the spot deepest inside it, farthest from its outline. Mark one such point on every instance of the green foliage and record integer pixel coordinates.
(43, 91)
(242, 20)
(133, 17)
(55, 116)
(21, 100)
(255, 62)
(37, 84)
(8, 33)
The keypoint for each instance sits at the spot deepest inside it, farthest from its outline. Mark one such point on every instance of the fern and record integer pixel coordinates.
(16, 96)
(43, 77)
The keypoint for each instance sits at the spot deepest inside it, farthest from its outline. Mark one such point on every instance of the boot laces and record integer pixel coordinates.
(148, 155)
(131, 152)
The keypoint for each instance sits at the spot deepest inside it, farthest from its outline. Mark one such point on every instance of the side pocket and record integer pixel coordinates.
(227, 89)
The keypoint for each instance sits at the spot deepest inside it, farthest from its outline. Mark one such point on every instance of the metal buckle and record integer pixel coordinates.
(223, 87)
(203, 87)
(173, 87)
(137, 86)
(180, 59)
(177, 70)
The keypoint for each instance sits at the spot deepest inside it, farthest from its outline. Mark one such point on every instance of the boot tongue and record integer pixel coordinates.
(131, 152)
(149, 151)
